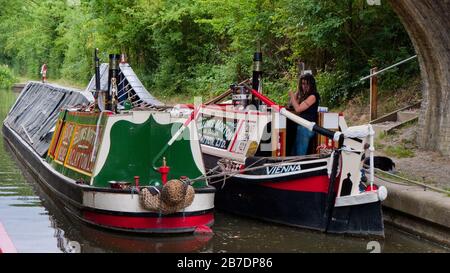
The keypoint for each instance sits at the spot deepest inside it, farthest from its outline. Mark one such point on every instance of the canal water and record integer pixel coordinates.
(35, 222)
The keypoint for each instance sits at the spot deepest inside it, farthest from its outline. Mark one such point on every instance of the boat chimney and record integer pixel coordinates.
(97, 73)
(257, 72)
(240, 96)
(257, 69)
(111, 96)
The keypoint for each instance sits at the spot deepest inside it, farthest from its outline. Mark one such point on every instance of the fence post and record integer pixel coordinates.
(373, 94)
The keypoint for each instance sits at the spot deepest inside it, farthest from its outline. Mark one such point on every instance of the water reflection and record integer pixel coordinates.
(125, 243)
(37, 223)
(74, 235)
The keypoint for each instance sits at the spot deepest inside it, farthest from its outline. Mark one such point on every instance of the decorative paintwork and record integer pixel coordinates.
(75, 142)
(128, 149)
(231, 134)
(55, 138)
(132, 147)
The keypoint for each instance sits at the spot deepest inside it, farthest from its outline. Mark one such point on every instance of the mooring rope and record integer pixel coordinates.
(408, 180)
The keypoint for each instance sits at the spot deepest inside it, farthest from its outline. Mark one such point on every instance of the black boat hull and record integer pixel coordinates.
(296, 200)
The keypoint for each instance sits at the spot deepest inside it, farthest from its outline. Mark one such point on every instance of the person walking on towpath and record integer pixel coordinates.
(44, 72)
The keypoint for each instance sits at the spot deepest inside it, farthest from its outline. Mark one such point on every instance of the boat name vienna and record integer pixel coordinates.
(283, 169)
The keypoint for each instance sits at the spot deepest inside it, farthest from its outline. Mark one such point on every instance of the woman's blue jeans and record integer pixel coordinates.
(302, 140)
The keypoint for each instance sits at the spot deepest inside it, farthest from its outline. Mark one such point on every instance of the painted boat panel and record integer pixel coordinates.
(131, 149)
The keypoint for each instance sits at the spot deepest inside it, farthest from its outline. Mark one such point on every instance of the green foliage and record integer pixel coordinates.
(399, 151)
(278, 90)
(7, 78)
(332, 88)
(199, 47)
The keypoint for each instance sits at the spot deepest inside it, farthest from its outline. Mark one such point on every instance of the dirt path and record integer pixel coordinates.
(400, 146)
(423, 166)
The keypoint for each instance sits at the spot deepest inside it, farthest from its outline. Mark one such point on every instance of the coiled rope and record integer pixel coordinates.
(174, 196)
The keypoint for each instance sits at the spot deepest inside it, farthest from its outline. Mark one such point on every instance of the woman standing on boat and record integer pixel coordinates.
(305, 103)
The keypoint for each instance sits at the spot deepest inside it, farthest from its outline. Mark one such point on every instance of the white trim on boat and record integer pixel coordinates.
(305, 162)
(131, 203)
(358, 199)
(261, 176)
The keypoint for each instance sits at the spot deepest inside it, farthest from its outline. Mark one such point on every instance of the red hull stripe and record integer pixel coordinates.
(130, 222)
(308, 184)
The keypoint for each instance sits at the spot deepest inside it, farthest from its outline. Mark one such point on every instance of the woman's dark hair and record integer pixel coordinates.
(309, 78)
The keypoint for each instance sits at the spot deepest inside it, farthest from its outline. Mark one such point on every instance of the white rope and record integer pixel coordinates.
(387, 68)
